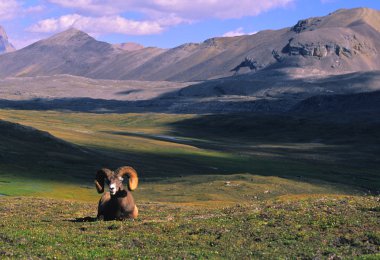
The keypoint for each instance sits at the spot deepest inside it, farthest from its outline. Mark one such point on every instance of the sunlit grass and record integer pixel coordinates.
(324, 227)
(198, 196)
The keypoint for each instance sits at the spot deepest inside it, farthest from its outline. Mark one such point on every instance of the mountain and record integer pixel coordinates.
(70, 52)
(5, 45)
(64, 53)
(345, 41)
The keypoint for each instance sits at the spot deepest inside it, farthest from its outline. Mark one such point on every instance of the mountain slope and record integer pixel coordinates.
(29, 148)
(70, 52)
(359, 102)
(342, 42)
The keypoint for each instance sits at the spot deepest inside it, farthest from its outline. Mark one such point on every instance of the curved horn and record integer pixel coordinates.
(99, 179)
(132, 174)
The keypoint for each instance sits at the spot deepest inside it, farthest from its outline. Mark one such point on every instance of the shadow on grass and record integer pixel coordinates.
(340, 148)
(321, 148)
(274, 128)
(84, 219)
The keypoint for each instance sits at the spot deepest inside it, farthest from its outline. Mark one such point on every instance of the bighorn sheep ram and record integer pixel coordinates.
(118, 203)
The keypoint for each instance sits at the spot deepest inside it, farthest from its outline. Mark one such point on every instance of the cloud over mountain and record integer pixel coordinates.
(102, 17)
(197, 9)
(237, 32)
(98, 25)
(8, 9)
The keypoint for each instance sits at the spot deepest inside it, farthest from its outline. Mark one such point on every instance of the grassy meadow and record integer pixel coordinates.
(227, 186)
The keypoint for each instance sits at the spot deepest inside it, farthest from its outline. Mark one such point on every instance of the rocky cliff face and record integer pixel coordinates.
(348, 46)
(5, 45)
(344, 41)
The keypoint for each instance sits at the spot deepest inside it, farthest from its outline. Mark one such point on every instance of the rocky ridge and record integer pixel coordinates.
(342, 42)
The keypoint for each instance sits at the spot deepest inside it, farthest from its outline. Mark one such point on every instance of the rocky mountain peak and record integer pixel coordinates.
(306, 25)
(5, 45)
(71, 36)
(340, 18)
(74, 42)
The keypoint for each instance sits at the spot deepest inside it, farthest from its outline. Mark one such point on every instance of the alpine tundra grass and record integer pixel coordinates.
(210, 187)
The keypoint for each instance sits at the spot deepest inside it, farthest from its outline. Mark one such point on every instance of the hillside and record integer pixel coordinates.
(342, 42)
(264, 91)
(360, 102)
(68, 86)
(28, 152)
(25, 141)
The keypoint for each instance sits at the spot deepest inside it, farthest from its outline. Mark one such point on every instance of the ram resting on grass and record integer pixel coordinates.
(118, 203)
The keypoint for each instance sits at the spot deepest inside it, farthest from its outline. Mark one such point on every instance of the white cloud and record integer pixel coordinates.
(34, 9)
(186, 9)
(106, 16)
(238, 32)
(9, 9)
(106, 7)
(101, 25)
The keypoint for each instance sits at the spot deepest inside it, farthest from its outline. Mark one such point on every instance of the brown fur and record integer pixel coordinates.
(121, 205)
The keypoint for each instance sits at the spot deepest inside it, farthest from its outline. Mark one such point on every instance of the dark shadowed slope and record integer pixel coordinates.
(360, 102)
(30, 152)
(342, 42)
(265, 91)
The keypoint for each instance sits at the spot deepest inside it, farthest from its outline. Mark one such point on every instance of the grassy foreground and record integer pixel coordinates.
(237, 187)
(291, 227)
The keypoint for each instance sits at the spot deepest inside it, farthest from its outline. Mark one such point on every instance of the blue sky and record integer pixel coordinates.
(161, 23)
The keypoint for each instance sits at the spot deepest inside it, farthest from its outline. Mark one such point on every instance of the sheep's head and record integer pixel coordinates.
(115, 179)
(115, 184)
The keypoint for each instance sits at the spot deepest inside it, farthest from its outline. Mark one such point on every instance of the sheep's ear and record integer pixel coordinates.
(121, 178)
(101, 175)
